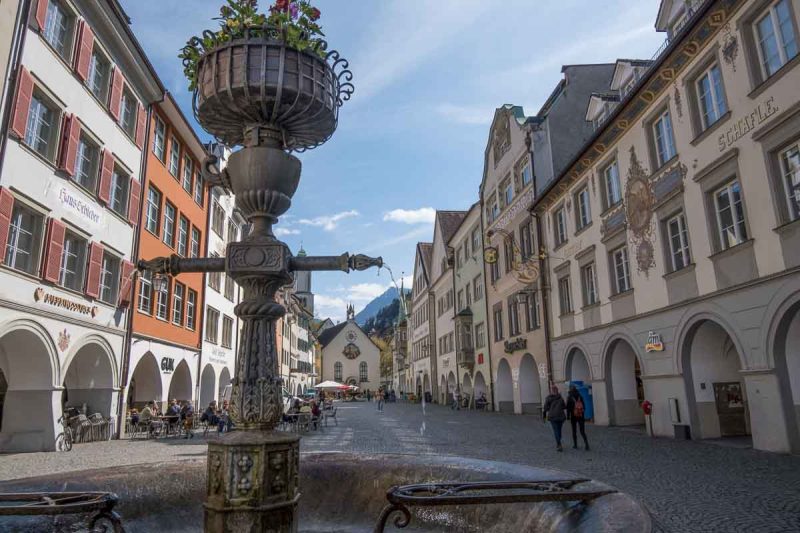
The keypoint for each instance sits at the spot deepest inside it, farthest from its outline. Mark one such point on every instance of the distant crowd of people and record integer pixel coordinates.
(178, 415)
(217, 416)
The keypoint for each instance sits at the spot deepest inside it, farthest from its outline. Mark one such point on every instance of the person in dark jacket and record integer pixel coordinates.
(555, 412)
(575, 413)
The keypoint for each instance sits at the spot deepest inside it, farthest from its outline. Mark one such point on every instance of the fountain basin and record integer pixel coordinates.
(340, 492)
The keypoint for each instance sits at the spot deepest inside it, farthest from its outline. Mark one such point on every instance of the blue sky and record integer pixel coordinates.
(428, 76)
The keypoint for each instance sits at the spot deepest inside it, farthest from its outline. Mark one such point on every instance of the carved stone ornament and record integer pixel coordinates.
(730, 46)
(678, 101)
(639, 203)
(351, 351)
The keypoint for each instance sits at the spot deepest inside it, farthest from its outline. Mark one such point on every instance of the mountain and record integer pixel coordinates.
(371, 310)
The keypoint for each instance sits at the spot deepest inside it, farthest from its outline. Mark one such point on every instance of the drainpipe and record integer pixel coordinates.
(455, 336)
(486, 306)
(12, 71)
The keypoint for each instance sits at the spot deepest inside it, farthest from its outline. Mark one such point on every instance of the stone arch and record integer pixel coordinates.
(782, 326)
(443, 399)
(480, 384)
(145, 385)
(180, 383)
(530, 388)
(577, 366)
(426, 383)
(711, 359)
(208, 386)
(622, 370)
(695, 317)
(29, 365)
(224, 381)
(504, 389)
(106, 349)
(466, 385)
(90, 377)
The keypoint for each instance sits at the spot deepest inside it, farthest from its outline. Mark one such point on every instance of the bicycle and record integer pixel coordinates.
(64, 439)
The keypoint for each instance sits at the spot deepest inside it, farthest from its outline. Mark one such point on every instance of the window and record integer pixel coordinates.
(42, 131)
(468, 294)
(711, 96)
(678, 242)
(146, 292)
(127, 113)
(162, 302)
(565, 295)
(527, 175)
(24, 243)
(174, 157)
(99, 75)
(663, 138)
(183, 236)
(169, 224)
(233, 231)
(508, 193)
(460, 300)
(337, 371)
(589, 281)
(513, 315)
(59, 29)
(508, 253)
(159, 140)
(195, 242)
(532, 311)
(218, 219)
(212, 324)
(188, 170)
(177, 304)
(494, 271)
(73, 262)
(790, 168)
(612, 186)
(227, 331)
(622, 276)
(198, 189)
(477, 285)
(480, 335)
(109, 279)
(119, 193)
(560, 226)
(230, 288)
(476, 240)
(362, 372)
(153, 210)
(498, 324)
(777, 43)
(214, 278)
(730, 215)
(526, 239)
(87, 163)
(584, 211)
(191, 305)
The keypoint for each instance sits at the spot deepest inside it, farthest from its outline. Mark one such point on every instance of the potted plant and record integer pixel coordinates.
(267, 78)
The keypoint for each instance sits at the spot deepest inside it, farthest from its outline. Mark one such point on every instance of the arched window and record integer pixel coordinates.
(337, 371)
(362, 371)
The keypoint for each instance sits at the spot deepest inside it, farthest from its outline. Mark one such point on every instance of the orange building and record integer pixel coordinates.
(167, 321)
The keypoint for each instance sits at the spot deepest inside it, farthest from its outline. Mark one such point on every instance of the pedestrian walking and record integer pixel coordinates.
(576, 413)
(369, 396)
(379, 398)
(555, 412)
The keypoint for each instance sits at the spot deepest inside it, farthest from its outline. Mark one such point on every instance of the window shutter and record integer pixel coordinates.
(69, 149)
(6, 207)
(141, 127)
(22, 105)
(126, 283)
(117, 81)
(55, 249)
(84, 56)
(41, 13)
(133, 201)
(94, 270)
(106, 169)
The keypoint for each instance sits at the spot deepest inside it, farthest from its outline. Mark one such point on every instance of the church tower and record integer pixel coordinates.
(302, 286)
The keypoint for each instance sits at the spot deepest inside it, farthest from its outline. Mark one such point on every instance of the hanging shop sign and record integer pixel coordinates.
(167, 365)
(41, 295)
(511, 346)
(654, 342)
(480, 358)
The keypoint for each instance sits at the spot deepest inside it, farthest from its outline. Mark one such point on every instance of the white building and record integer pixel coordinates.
(349, 356)
(69, 205)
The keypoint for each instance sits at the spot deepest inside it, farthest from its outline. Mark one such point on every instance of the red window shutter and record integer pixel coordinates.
(22, 104)
(6, 208)
(41, 13)
(126, 283)
(115, 100)
(94, 270)
(84, 55)
(106, 169)
(141, 127)
(69, 148)
(133, 201)
(55, 248)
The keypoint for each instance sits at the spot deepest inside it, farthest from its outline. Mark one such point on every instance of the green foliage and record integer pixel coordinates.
(293, 21)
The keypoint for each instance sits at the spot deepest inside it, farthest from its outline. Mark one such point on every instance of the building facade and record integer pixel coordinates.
(349, 356)
(672, 235)
(70, 189)
(423, 332)
(166, 335)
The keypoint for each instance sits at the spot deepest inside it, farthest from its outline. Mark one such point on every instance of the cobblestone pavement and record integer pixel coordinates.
(687, 485)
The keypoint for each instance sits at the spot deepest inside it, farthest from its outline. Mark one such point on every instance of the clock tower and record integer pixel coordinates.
(302, 286)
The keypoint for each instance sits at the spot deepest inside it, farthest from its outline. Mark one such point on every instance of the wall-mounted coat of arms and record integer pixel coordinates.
(351, 351)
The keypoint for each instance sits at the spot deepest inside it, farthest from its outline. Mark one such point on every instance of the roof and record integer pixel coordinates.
(329, 334)
(426, 253)
(449, 221)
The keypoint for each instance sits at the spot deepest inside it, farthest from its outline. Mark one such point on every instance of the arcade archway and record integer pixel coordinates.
(577, 367)
(224, 382)
(625, 386)
(787, 367)
(480, 386)
(89, 381)
(530, 390)
(145, 385)
(505, 388)
(208, 388)
(180, 386)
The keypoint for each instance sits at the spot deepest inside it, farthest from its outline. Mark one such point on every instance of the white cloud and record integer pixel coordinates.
(331, 307)
(411, 216)
(328, 222)
(365, 292)
(416, 233)
(283, 232)
(469, 115)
